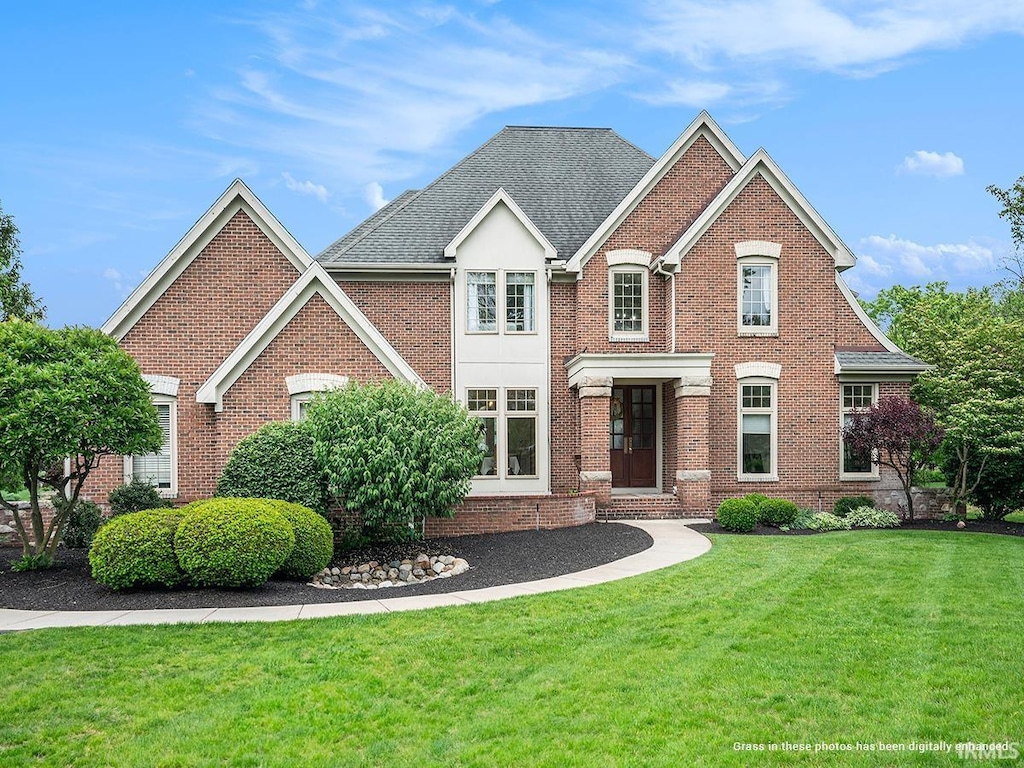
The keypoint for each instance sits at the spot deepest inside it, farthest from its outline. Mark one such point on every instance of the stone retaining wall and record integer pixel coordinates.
(8, 533)
(929, 503)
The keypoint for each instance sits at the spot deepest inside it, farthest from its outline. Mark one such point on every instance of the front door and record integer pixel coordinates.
(632, 435)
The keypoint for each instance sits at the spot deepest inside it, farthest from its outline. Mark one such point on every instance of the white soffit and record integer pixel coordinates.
(235, 198)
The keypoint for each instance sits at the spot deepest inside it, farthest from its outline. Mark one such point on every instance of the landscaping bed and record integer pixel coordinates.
(495, 559)
(1003, 527)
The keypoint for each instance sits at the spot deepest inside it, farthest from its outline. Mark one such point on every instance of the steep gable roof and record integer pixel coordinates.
(237, 197)
(501, 197)
(761, 164)
(565, 180)
(702, 126)
(314, 281)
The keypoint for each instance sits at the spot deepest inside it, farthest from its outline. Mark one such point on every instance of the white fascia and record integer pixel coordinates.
(761, 163)
(655, 366)
(235, 198)
(702, 125)
(500, 196)
(858, 310)
(314, 280)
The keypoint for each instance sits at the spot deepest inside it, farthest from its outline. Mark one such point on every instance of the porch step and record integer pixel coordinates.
(646, 506)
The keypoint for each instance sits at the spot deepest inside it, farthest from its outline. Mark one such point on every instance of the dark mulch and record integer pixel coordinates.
(501, 558)
(1001, 527)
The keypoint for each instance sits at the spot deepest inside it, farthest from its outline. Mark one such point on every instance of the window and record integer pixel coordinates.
(758, 294)
(300, 404)
(627, 304)
(482, 293)
(160, 468)
(757, 431)
(509, 435)
(519, 302)
(856, 464)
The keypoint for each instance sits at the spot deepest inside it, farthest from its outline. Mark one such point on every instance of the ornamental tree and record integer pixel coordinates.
(899, 434)
(395, 454)
(68, 398)
(16, 297)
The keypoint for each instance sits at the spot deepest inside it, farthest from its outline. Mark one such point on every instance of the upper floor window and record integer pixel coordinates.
(482, 301)
(627, 304)
(857, 465)
(757, 288)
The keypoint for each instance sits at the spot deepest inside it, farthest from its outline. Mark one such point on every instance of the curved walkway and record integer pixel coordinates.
(674, 542)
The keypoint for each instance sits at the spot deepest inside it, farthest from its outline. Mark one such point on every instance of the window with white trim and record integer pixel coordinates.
(757, 296)
(508, 437)
(159, 469)
(856, 465)
(517, 294)
(519, 303)
(757, 430)
(482, 306)
(627, 303)
(300, 404)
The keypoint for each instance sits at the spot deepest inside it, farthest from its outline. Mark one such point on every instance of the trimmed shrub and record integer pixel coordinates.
(778, 512)
(277, 462)
(869, 517)
(394, 454)
(85, 520)
(757, 499)
(826, 521)
(137, 550)
(846, 504)
(135, 497)
(232, 542)
(314, 540)
(737, 515)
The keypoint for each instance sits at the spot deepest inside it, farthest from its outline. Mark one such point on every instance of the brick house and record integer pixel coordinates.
(646, 335)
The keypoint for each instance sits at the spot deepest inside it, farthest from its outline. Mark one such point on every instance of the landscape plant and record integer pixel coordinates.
(135, 496)
(737, 515)
(870, 517)
(777, 512)
(232, 542)
(16, 297)
(826, 521)
(68, 398)
(277, 461)
(83, 523)
(844, 505)
(395, 454)
(314, 540)
(137, 550)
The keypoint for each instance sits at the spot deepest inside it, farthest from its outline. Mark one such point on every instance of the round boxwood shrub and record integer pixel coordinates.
(135, 497)
(137, 550)
(277, 462)
(778, 512)
(232, 542)
(737, 515)
(314, 540)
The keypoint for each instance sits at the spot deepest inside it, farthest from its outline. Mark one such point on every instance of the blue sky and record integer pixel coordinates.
(123, 121)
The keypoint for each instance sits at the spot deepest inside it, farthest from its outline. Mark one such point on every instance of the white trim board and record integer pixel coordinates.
(761, 164)
(314, 280)
(235, 198)
(702, 125)
(500, 196)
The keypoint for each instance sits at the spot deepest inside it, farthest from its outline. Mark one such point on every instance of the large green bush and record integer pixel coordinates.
(277, 462)
(135, 497)
(846, 504)
(394, 453)
(232, 542)
(84, 521)
(737, 515)
(137, 550)
(314, 540)
(778, 512)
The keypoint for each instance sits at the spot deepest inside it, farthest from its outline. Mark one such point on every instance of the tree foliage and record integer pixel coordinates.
(16, 297)
(395, 454)
(65, 395)
(1013, 211)
(899, 434)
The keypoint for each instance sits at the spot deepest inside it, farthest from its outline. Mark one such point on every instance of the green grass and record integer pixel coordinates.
(887, 636)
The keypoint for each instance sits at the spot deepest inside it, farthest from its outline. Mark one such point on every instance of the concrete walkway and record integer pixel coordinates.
(674, 542)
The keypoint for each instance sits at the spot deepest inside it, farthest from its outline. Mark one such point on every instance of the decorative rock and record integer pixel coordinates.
(335, 571)
(364, 568)
(354, 577)
(459, 566)
(447, 559)
(395, 573)
(419, 572)
(346, 570)
(379, 575)
(392, 574)
(395, 563)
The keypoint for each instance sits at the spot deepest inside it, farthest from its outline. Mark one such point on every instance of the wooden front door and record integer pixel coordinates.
(632, 436)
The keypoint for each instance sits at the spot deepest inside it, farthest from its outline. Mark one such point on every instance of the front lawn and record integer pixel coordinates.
(899, 637)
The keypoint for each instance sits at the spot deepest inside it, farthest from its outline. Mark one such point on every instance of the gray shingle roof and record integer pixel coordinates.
(567, 180)
(860, 360)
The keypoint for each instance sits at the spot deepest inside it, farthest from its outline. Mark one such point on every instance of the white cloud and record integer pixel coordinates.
(904, 261)
(690, 93)
(117, 280)
(926, 163)
(319, 191)
(111, 274)
(375, 195)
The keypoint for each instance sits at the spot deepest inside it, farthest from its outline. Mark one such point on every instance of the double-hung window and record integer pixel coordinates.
(627, 304)
(857, 465)
(517, 294)
(508, 437)
(159, 469)
(758, 427)
(757, 288)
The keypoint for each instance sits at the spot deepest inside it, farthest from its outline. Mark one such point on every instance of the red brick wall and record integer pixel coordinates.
(513, 513)
(565, 407)
(188, 332)
(416, 318)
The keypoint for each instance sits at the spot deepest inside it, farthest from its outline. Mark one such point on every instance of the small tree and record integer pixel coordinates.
(899, 435)
(16, 298)
(68, 397)
(394, 453)
(277, 462)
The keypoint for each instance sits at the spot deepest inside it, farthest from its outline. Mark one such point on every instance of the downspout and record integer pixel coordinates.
(659, 268)
(451, 324)
(547, 358)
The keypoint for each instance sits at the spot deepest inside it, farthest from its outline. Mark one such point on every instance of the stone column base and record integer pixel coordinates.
(598, 484)
(693, 487)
